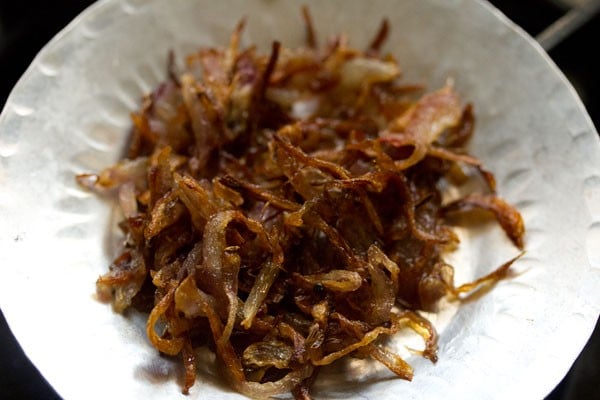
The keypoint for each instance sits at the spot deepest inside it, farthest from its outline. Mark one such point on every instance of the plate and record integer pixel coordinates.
(69, 114)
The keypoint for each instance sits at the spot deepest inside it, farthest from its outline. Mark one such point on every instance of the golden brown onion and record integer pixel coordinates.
(285, 210)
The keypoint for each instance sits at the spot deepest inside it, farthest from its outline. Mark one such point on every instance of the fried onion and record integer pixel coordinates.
(285, 210)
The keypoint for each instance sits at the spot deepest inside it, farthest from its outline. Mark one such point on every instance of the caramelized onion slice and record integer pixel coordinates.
(171, 346)
(393, 361)
(123, 281)
(258, 293)
(507, 216)
(489, 279)
(338, 280)
(273, 353)
(427, 120)
(124, 171)
(268, 389)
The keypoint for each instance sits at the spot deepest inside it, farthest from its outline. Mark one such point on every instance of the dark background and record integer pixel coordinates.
(25, 26)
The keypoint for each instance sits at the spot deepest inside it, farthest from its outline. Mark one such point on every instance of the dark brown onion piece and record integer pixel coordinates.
(379, 38)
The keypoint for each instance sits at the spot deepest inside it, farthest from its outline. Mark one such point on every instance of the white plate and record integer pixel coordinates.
(69, 114)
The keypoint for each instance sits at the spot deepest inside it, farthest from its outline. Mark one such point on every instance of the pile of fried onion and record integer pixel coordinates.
(288, 209)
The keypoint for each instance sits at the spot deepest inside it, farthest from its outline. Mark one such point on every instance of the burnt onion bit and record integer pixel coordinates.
(285, 210)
